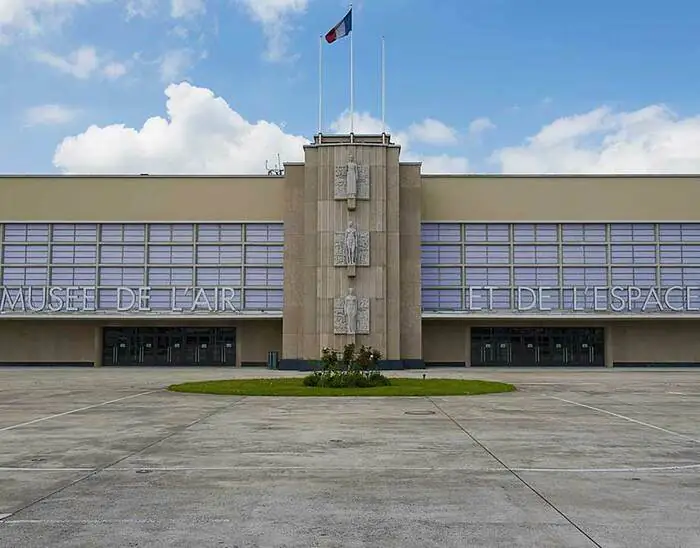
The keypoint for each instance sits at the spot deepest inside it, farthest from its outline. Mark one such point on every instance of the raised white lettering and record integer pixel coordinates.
(201, 299)
(489, 290)
(617, 295)
(130, 294)
(144, 299)
(667, 302)
(471, 304)
(71, 297)
(689, 297)
(533, 296)
(55, 300)
(652, 299)
(30, 299)
(541, 297)
(16, 301)
(227, 300)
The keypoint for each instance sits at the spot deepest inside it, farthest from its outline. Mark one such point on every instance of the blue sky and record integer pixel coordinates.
(553, 86)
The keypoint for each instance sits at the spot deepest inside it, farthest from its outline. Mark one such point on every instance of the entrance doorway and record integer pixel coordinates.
(184, 346)
(538, 346)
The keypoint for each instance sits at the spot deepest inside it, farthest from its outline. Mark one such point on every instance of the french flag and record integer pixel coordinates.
(341, 30)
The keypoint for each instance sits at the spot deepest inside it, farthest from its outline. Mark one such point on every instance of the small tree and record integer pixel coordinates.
(349, 368)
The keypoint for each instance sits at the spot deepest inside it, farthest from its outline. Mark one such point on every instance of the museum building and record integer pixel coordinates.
(351, 245)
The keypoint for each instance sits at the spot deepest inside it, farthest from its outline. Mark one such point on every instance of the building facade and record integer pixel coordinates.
(352, 245)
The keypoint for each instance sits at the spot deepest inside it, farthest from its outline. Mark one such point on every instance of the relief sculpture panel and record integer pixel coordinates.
(351, 315)
(351, 248)
(352, 181)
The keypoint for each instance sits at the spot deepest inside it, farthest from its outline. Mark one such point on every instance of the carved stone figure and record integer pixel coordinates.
(351, 314)
(351, 244)
(350, 309)
(343, 247)
(351, 178)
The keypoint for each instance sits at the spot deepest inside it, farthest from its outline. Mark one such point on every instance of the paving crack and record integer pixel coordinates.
(513, 472)
(4, 518)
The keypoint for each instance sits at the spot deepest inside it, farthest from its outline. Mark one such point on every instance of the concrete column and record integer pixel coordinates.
(608, 346)
(98, 347)
(468, 346)
(239, 346)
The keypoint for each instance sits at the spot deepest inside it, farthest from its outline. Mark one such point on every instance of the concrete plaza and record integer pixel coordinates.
(575, 458)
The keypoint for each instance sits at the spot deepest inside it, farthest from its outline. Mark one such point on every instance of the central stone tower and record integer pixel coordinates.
(352, 251)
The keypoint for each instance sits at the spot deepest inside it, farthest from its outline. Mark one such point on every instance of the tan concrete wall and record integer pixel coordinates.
(445, 341)
(643, 341)
(564, 198)
(410, 270)
(255, 338)
(312, 218)
(663, 341)
(373, 216)
(298, 265)
(140, 199)
(56, 341)
(49, 341)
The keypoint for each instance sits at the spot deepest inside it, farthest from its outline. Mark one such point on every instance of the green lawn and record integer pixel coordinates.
(294, 387)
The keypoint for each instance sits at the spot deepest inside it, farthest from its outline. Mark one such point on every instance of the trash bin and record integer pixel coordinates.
(273, 359)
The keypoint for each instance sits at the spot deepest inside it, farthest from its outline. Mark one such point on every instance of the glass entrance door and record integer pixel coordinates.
(537, 346)
(163, 346)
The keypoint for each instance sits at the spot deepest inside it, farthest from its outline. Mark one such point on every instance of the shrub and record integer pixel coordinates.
(351, 368)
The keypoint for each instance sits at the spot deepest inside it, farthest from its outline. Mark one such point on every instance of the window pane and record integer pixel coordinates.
(441, 254)
(641, 277)
(215, 276)
(487, 276)
(442, 299)
(572, 232)
(633, 254)
(441, 276)
(263, 299)
(537, 276)
(441, 232)
(265, 277)
(576, 276)
(264, 254)
(261, 233)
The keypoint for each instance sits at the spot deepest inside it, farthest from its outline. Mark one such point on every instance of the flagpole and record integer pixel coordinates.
(352, 76)
(383, 88)
(320, 85)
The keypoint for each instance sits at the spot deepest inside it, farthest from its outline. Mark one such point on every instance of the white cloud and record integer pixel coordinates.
(186, 8)
(200, 135)
(114, 70)
(51, 114)
(432, 132)
(82, 63)
(439, 164)
(173, 64)
(479, 126)
(274, 16)
(653, 139)
(33, 16)
(443, 164)
(179, 9)
(141, 8)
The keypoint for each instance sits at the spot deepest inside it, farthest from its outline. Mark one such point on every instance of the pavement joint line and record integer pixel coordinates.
(7, 428)
(638, 469)
(19, 469)
(97, 470)
(629, 419)
(108, 521)
(515, 474)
